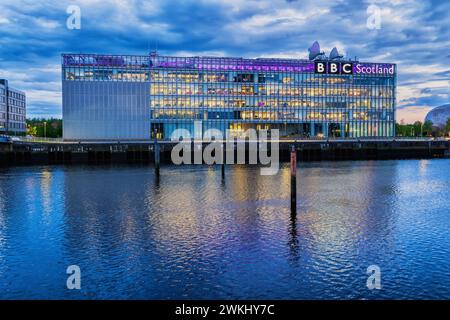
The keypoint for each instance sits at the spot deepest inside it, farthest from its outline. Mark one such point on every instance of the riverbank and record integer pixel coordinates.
(101, 152)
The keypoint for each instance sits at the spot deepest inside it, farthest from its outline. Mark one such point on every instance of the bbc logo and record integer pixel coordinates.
(333, 67)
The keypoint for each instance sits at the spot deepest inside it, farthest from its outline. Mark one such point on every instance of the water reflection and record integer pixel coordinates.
(192, 234)
(293, 242)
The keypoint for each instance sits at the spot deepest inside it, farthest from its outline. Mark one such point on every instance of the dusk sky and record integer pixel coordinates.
(413, 34)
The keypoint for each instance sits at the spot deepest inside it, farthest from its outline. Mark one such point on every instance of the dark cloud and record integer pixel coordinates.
(413, 34)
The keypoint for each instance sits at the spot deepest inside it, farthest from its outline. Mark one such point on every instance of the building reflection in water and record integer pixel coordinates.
(348, 219)
(189, 235)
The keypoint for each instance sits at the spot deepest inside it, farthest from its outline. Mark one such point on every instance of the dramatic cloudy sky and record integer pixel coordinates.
(413, 34)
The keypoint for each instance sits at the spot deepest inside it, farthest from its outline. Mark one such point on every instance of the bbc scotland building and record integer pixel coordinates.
(129, 97)
(12, 109)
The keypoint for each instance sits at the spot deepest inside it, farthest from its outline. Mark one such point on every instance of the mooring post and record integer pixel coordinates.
(157, 154)
(293, 180)
(223, 160)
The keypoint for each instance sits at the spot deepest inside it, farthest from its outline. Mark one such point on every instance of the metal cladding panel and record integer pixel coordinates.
(106, 110)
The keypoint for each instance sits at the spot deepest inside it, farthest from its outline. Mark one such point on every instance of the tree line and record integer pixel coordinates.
(40, 127)
(419, 129)
(52, 128)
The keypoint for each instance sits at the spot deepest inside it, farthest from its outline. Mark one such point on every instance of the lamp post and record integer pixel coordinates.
(45, 129)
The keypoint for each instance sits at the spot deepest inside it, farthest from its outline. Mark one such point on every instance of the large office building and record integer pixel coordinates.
(12, 109)
(123, 97)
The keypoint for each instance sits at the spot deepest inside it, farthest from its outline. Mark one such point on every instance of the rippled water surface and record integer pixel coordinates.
(191, 235)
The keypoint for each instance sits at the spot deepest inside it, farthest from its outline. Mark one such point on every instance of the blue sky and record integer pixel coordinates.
(413, 34)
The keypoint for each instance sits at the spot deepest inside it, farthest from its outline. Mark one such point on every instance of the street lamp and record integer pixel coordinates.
(45, 129)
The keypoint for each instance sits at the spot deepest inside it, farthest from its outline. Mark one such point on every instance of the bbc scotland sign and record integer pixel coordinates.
(328, 67)
(333, 67)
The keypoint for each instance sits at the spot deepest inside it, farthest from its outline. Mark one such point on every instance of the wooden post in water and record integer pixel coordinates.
(293, 180)
(156, 154)
(223, 160)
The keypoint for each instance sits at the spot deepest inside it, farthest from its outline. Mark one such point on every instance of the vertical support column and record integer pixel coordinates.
(156, 154)
(293, 180)
(312, 129)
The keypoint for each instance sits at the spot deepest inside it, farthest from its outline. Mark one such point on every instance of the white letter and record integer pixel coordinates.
(346, 67)
(74, 20)
(391, 70)
(374, 18)
(182, 145)
(320, 67)
(333, 67)
(215, 146)
(74, 280)
(374, 280)
(252, 146)
(229, 150)
(274, 153)
(175, 153)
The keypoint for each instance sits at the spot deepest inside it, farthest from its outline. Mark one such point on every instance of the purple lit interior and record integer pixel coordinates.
(199, 63)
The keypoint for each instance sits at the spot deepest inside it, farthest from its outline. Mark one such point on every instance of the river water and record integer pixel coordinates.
(192, 235)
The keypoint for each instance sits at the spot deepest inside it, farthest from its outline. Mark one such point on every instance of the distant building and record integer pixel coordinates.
(115, 97)
(439, 115)
(12, 109)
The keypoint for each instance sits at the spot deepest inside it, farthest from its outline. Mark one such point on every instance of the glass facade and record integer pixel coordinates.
(238, 94)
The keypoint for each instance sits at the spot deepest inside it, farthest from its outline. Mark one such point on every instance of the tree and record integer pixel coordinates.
(428, 127)
(418, 129)
(447, 127)
(31, 130)
(51, 128)
(399, 129)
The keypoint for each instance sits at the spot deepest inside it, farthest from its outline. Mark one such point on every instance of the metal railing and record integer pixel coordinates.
(28, 139)
(37, 139)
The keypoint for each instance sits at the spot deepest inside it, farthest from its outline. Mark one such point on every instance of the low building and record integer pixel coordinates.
(12, 109)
